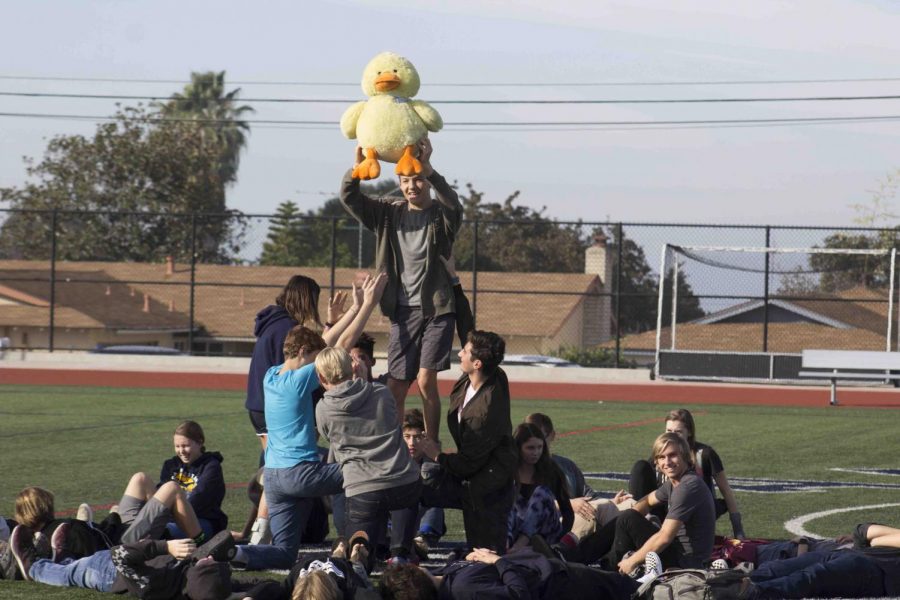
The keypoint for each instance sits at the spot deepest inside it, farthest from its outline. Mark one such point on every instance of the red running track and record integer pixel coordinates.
(651, 391)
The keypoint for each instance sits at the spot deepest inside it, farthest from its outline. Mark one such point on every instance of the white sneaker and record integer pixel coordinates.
(260, 534)
(85, 513)
(653, 564)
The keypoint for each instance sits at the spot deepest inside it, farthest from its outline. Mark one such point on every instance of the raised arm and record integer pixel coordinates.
(372, 289)
(364, 209)
(333, 333)
(445, 195)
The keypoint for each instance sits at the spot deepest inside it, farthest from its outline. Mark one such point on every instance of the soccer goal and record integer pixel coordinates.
(736, 313)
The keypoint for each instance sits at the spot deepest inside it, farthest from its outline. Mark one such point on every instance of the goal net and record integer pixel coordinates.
(748, 313)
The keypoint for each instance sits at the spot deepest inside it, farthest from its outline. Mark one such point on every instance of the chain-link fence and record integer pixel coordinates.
(585, 291)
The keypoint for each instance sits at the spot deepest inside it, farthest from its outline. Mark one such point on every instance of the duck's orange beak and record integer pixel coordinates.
(387, 82)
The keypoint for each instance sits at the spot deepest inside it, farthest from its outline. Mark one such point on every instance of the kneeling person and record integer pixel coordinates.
(359, 419)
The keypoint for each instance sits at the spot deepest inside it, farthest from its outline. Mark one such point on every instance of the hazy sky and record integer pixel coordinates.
(783, 175)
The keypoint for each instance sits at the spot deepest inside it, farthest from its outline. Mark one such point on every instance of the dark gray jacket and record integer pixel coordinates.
(383, 217)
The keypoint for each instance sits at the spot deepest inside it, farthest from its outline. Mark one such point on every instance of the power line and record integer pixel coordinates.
(353, 100)
(510, 124)
(472, 84)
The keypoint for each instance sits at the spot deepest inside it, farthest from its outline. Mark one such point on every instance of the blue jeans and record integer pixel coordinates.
(843, 573)
(94, 572)
(289, 493)
(175, 532)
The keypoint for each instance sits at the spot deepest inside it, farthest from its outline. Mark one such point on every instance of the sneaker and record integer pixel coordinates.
(21, 543)
(85, 513)
(653, 564)
(718, 564)
(58, 541)
(220, 547)
(8, 567)
(261, 533)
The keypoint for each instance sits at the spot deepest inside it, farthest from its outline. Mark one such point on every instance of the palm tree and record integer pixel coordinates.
(204, 100)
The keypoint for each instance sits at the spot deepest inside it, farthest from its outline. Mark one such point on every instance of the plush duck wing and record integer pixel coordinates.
(429, 115)
(350, 118)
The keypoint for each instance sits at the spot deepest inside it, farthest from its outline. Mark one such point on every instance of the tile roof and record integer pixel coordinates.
(227, 297)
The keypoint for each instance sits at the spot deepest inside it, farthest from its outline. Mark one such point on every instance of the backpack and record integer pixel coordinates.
(691, 584)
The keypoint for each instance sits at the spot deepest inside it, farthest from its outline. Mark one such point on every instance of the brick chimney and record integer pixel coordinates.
(146, 308)
(598, 260)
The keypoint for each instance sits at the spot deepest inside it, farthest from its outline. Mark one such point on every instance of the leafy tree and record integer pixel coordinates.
(304, 239)
(132, 164)
(639, 291)
(283, 245)
(844, 271)
(531, 243)
(205, 101)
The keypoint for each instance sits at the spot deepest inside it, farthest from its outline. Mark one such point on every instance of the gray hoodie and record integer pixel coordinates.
(359, 419)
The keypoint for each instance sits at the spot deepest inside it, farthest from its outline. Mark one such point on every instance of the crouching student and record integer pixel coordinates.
(359, 419)
(478, 477)
(428, 522)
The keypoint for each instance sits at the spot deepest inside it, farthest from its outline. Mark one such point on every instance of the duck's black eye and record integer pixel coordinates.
(379, 73)
(395, 70)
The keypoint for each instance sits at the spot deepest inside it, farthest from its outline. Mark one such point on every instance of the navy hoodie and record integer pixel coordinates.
(204, 483)
(271, 328)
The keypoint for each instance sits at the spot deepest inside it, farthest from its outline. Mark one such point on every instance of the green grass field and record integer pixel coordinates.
(84, 443)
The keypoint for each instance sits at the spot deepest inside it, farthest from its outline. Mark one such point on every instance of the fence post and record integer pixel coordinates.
(475, 272)
(618, 295)
(193, 282)
(52, 329)
(333, 251)
(766, 292)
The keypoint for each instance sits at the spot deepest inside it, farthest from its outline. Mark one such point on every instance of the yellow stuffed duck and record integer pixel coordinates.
(389, 123)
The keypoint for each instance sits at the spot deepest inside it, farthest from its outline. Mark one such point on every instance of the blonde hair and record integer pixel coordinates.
(334, 365)
(34, 507)
(673, 439)
(316, 585)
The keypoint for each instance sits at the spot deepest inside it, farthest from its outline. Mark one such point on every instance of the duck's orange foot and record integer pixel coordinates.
(369, 167)
(408, 165)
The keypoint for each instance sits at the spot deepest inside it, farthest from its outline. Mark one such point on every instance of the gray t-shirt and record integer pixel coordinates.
(691, 502)
(412, 240)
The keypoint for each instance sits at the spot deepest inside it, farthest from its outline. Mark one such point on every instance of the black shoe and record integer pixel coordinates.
(21, 543)
(58, 542)
(220, 547)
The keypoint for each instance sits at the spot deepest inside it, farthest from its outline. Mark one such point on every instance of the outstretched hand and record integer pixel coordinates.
(425, 150)
(336, 306)
(373, 288)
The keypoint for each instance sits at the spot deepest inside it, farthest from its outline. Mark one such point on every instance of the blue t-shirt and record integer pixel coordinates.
(290, 418)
